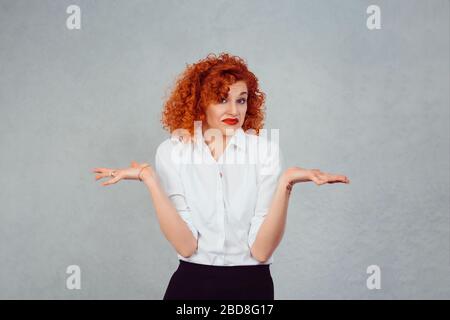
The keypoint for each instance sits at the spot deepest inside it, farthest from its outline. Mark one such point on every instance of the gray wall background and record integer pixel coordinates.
(373, 105)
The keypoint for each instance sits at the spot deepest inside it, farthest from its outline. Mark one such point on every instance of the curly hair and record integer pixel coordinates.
(207, 81)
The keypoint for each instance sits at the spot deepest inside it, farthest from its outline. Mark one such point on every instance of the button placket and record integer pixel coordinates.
(221, 203)
(219, 200)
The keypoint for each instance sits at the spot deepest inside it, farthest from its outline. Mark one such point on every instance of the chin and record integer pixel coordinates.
(230, 129)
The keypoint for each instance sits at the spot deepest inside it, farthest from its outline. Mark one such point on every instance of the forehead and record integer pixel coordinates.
(238, 87)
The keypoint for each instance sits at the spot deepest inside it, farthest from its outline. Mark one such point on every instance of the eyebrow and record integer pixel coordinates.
(243, 92)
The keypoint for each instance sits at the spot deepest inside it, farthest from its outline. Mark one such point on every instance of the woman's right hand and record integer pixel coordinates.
(130, 173)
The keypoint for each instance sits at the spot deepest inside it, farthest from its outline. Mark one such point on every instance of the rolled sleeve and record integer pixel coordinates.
(269, 172)
(168, 172)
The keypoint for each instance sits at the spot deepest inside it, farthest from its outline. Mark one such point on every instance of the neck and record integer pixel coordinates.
(210, 143)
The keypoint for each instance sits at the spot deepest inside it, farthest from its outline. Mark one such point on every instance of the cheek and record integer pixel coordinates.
(213, 116)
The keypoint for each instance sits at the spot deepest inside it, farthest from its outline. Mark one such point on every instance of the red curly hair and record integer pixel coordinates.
(207, 81)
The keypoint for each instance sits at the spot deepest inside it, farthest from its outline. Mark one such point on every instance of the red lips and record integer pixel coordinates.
(230, 121)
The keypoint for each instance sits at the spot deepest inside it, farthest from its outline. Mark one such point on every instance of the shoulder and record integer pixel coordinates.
(265, 136)
(165, 147)
(267, 145)
(269, 155)
(172, 149)
(173, 141)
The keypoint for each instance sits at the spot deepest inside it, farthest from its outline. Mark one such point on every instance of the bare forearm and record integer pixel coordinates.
(172, 225)
(272, 229)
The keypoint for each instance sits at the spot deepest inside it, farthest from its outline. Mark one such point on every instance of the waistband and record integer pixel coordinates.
(191, 267)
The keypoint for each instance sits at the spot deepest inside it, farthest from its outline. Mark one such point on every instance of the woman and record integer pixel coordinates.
(223, 210)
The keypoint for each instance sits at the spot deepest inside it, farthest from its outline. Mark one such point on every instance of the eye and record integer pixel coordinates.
(223, 100)
(243, 100)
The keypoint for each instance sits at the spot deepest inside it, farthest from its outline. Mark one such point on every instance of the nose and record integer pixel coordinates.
(232, 108)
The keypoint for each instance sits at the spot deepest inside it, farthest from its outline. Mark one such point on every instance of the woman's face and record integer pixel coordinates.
(231, 108)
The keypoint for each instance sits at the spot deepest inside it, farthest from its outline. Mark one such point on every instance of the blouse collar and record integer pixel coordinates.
(238, 138)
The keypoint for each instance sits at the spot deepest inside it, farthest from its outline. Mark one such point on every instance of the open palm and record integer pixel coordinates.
(297, 174)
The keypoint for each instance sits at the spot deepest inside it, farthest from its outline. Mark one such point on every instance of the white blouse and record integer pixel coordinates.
(223, 202)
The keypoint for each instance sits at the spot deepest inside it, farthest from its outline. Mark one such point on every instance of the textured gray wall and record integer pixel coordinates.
(370, 104)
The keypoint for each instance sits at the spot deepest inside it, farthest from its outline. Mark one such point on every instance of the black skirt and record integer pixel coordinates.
(193, 281)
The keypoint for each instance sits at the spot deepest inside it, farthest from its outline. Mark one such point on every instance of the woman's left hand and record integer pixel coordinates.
(297, 174)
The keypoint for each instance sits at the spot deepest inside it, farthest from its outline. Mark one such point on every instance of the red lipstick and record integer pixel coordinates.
(230, 121)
